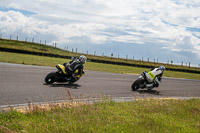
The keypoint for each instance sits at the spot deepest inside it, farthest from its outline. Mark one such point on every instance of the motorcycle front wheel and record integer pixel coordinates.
(51, 78)
(136, 85)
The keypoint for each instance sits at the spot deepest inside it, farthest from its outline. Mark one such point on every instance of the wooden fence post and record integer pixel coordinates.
(111, 55)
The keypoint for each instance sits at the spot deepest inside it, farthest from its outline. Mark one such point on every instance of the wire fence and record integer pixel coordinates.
(75, 50)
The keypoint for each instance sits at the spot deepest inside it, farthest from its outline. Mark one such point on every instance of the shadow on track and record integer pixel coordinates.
(71, 86)
(154, 92)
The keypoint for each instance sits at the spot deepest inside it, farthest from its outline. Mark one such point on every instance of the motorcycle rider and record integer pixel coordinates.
(154, 76)
(76, 63)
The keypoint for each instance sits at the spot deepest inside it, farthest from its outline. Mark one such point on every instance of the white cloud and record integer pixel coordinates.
(13, 21)
(162, 22)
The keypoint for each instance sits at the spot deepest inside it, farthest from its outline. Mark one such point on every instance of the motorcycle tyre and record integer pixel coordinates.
(51, 78)
(136, 85)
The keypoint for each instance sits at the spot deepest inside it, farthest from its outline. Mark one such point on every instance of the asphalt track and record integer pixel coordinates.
(21, 84)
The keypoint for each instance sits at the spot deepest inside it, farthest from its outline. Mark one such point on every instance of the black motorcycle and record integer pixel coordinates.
(62, 76)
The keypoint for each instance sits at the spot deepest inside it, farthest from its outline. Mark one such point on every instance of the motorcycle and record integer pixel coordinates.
(62, 76)
(142, 83)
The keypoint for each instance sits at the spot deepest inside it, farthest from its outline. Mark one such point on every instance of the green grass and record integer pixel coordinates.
(35, 47)
(142, 116)
(157, 116)
(49, 61)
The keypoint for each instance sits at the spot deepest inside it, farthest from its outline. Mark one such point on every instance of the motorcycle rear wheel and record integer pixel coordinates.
(136, 85)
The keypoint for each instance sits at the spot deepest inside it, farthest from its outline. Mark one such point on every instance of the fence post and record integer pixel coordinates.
(182, 63)
(72, 50)
(40, 41)
(55, 44)
(33, 40)
(76, 50)
(133, 57)
(171, 62)
(10, 37)
(103, 55)
(189, 64)
(148, 59)
(25, 39)
(17, 38)
(111, 55)
(126, 57)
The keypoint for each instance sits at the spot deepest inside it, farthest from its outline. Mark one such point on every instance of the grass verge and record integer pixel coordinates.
(138, 116)
(36, 47)
(50, 61)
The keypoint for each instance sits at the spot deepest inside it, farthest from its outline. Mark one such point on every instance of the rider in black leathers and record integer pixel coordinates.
(75, 64)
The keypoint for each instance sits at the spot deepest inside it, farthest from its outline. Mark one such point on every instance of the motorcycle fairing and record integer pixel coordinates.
(61, 68)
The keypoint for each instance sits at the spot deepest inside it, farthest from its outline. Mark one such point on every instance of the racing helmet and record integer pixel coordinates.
(83, 59)
(162, 68)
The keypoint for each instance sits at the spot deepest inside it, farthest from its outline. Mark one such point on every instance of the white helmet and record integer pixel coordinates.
(162, 68)
(83, 59)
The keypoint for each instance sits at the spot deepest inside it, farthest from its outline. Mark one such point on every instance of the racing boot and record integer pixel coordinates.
(73, 77)
(149, 86)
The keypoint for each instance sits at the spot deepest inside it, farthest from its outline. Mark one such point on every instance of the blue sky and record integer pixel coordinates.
(162, 30)
(6, 9)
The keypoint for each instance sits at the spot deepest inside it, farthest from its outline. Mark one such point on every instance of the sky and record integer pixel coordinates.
(160, 30)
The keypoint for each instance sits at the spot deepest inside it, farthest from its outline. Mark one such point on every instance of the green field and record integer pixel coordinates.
(139, 116)
(35, 47)
(142, 116)
(50, 61)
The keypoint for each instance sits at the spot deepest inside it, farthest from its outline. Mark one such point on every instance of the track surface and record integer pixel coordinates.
(23, 84)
